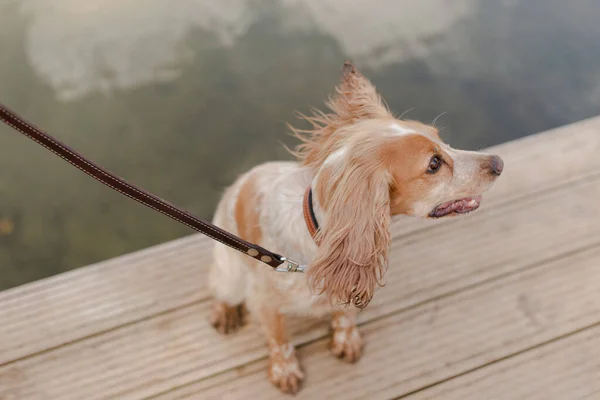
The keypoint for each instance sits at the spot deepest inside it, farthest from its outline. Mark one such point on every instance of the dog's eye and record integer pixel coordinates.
(434, 164)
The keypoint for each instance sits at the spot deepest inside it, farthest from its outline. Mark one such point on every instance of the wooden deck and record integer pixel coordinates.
(503, 304)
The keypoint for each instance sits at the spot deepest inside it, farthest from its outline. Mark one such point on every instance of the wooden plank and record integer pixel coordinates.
(441, 339)
(138, 360)
(567, 369)
(179, 348)
(76, 304)
(94, 299)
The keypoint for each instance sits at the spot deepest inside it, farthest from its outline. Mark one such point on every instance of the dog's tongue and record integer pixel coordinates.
(464, 205)
(461, 206)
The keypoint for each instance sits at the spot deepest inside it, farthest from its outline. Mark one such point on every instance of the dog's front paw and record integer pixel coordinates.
(225, 318)
(284, 369)
(347, 343)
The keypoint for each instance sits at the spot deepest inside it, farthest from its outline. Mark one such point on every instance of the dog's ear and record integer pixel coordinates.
(354, 239)
(356, 98)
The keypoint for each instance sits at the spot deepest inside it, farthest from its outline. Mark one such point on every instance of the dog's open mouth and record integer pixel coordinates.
(462, 206)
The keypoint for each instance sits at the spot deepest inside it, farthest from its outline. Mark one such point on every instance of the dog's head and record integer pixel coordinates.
(369, 166)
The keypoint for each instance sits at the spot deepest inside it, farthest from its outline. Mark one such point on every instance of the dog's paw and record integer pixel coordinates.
(225, 318)
(347, 343)
(284, 369)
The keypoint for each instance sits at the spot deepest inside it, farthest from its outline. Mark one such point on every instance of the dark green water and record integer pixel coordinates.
(500, 71)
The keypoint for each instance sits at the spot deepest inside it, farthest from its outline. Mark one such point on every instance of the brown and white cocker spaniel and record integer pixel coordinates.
(331, 210)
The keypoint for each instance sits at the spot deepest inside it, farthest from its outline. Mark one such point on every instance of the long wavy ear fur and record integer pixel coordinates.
(354, 241)
(355, 99)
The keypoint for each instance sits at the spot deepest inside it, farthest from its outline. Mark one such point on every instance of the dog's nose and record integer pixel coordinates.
(496, 165)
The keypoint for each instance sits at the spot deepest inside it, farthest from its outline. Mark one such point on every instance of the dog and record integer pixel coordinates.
(331, 210)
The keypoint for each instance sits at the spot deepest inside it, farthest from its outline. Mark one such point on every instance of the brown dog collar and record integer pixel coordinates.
(309, 213)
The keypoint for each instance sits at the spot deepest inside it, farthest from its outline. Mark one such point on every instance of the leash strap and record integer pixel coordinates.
(274, 260)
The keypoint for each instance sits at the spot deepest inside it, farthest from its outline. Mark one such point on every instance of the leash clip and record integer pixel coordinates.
(288, 265)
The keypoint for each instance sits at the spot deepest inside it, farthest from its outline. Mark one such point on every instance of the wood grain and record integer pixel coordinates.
(567, 369)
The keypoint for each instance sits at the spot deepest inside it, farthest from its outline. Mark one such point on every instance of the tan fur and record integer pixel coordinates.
(284, 369)
(356, 100)
(246, 212)
(364, 166)
(353, 246)
(404, 158)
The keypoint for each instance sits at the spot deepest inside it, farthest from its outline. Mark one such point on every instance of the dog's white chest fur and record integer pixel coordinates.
(279, 188)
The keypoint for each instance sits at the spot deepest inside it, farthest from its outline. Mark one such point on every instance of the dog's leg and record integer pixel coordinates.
(226, 318)
(346, 340)
(284, 369)
(228, 286)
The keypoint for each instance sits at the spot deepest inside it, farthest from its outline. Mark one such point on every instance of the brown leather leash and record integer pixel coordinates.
(274, 260)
